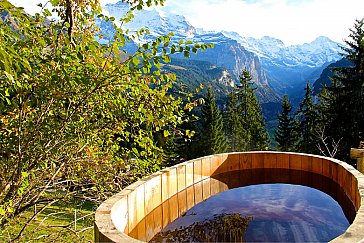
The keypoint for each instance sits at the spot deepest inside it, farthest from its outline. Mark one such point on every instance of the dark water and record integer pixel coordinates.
(279, 212)
(280, 206)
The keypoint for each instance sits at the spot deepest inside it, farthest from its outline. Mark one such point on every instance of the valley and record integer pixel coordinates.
(277, 69)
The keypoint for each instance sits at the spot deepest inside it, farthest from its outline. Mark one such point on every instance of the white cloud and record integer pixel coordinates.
(293, 21)
(30, 6)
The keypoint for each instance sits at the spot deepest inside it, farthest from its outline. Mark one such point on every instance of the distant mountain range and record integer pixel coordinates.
(275, 67)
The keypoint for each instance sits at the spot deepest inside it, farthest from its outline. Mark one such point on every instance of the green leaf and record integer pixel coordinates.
(9, 76)
(166, 59)
(145, 46)
(135, 151)
(54, 2)
(46, 13)
(186, 54)
(166, 133)
(173, 76)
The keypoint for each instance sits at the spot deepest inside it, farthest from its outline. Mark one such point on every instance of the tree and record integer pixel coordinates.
(328, 143)
(236, 133)
(285, 133)
(245, 119)
(308, 123)
(212, 136)
(345, 99)
(76, 121)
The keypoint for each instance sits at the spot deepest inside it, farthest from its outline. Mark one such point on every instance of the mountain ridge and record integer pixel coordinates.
(276, 68)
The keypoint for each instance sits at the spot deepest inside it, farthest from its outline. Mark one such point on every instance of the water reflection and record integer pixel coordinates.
(220, 228)
(265, 176)
(253, 211)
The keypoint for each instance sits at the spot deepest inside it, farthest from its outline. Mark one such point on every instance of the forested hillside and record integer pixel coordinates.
(331, 122)
(193, 74)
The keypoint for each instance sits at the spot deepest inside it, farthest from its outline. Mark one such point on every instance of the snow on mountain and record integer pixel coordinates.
(157, 21)
(272, 63)
(289, 67)
(315, 54)
(271, 51)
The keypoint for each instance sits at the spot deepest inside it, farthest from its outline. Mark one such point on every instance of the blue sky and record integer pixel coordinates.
(292, 21)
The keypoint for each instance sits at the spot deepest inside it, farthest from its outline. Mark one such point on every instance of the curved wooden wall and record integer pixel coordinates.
(145, 207)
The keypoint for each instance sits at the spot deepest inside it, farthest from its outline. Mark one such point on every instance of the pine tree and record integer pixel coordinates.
(285, 134)
(170, 155)
(236, 133)
(345, 105)
(328, 143)
(308, 123)
(245, 118)
(212, 136)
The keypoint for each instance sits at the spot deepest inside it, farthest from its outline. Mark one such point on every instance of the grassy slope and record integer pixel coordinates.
(48, 226)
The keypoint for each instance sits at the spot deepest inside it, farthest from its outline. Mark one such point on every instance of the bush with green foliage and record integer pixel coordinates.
(77, 118)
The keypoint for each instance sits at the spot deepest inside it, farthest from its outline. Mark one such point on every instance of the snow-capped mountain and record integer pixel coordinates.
(315, 54)
(273, 65)
(227, 53)
(157, 21)
(291, 65)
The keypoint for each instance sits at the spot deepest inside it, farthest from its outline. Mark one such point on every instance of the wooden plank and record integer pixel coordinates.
(270, 160)
(326, 168)
(172, 182)
(295, 162)
(182, 202)
(132, 210)
(306, 163)
(215, 161)
(189, 174)
(215, 186)
(153, 193)
(356, 153)
(198, 192)
(173, 208)
(181, 177)
(360, 165)
(206, 167)
(206, 189)
(166, 215)
(197, 171)
(283, 161)
(317, 165)
(257, 161)
(141, 231)
(232, 162)
(245, 161)
(190, 197)
(140, 201)
(153, 223)
(165, 186)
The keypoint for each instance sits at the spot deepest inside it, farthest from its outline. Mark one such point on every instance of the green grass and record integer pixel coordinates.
(49, 226)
